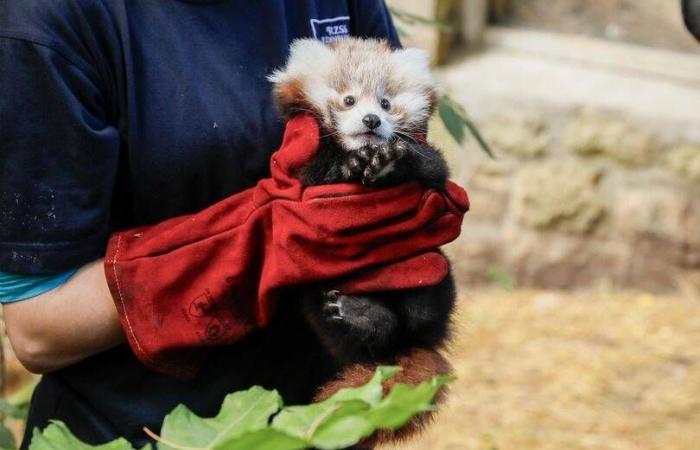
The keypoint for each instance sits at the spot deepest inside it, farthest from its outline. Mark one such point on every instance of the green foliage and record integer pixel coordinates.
(57, 436)
(455, 119)
(241, 413)
(255, 419)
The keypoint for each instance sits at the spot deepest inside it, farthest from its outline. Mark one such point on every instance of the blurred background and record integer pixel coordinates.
(578, 324)
(579, 263)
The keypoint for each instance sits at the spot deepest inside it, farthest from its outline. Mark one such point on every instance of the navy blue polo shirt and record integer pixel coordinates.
(119, 113)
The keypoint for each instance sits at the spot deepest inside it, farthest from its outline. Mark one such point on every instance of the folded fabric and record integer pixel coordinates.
(209, 278)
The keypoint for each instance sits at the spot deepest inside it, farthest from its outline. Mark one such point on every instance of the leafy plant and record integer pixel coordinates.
(456, 120)
(256, 419)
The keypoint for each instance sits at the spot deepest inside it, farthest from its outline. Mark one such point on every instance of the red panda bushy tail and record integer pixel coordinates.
(417, 366)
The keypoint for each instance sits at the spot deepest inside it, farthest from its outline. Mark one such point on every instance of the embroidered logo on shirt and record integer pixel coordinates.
(329, 30)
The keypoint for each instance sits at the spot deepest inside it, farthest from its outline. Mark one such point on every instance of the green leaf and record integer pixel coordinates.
(452, 120)
(241, 412)
(479, 138)
(371, 392)
(7, 439)
(405, 401)
(355, 413)
(267, 439)
(323, 425)
(244, 420)
(338, 421)
(57, 436)
(455, 119)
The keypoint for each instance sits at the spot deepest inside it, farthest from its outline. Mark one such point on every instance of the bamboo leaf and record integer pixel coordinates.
(452, 120)
(455, 119)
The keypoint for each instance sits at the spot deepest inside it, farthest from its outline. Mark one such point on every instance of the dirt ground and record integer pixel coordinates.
(547, 370)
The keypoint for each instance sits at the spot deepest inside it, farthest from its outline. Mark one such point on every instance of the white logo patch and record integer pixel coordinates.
(329, 30)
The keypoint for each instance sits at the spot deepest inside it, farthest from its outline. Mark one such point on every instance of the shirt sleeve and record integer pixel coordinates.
(372, 19)
(14, 288)
(58, 159)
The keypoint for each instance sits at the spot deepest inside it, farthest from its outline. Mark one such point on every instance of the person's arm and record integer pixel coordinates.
(58, 160)
(66, 324)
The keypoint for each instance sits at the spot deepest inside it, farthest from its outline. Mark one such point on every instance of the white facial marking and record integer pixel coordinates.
(352, 130)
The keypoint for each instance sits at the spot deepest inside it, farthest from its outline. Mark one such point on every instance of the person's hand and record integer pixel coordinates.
(209, 278)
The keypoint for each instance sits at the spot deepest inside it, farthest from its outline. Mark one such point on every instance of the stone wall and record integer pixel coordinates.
(577, 199)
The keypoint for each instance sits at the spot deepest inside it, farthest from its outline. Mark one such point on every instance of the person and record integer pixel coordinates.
(120, 114)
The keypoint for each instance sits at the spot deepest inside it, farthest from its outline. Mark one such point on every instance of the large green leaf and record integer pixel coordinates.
(325, 425)
(371, 392)
(338, 421)
(241, 412)
(404, 402)
(57, 436)
(340, 430)
(267, 439)
(352, 414)
(244, 422)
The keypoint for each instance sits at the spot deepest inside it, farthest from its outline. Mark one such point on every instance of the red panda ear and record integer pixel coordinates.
(290, 96)
(412, 64)
(309, 60)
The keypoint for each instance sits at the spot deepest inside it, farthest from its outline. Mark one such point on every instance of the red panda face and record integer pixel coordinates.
(361, 91)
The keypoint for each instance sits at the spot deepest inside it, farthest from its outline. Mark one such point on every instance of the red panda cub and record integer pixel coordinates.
(373, 104)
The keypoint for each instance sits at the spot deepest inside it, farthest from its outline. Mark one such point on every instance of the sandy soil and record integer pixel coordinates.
(547, 370)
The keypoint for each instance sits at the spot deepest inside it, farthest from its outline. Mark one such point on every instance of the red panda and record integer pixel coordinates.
(373, 104)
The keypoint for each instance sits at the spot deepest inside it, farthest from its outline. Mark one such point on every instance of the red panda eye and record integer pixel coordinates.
(349, 100)
(385, 104)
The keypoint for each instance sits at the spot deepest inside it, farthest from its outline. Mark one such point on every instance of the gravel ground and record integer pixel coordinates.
(548, 370)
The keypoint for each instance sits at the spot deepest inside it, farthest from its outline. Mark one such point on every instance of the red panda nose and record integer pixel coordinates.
(371, 121)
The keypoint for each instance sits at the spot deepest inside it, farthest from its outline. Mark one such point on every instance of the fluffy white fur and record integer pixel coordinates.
(369, 71)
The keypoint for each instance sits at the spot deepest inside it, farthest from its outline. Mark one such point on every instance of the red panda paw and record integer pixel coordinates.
(418, 365)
